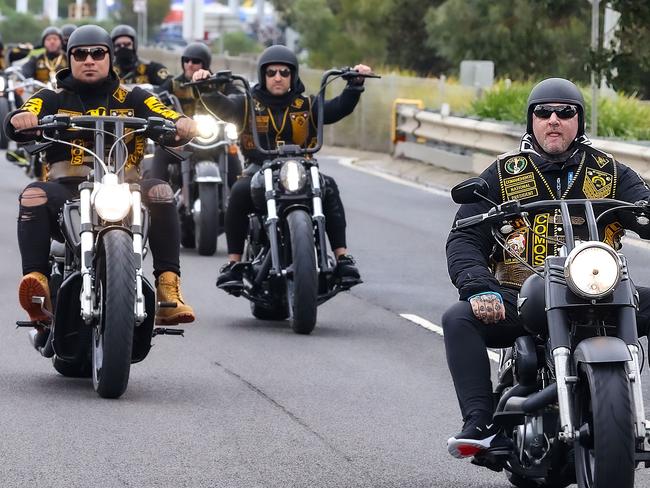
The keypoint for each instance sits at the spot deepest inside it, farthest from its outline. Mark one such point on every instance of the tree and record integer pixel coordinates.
(524, 38)
(156, 12)
(629, 57)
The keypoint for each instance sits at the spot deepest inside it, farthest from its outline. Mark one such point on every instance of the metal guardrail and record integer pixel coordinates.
(473, 144)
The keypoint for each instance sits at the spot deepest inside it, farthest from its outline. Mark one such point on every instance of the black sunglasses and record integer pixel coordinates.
(192, 60)
(284, 72)
(96, 53)
(562, 111)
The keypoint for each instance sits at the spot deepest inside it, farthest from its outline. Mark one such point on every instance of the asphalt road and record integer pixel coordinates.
(365, 401)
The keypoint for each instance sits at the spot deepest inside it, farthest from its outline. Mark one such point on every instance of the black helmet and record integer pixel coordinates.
(90, 35)
(200, 51)
(48, 31)
(67, 30)
(277, 54)
(556, 90)
(125, 30)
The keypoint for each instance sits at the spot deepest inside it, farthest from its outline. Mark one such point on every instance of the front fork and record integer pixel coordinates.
(319, 218)
(136, 227)
(87, 252)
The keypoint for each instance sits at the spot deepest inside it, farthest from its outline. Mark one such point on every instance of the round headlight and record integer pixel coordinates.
(207, 128)
(592, 270)
(292, 175)
(113, 201)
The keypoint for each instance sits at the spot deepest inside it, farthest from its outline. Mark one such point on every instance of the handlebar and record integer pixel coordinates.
(224, 76)
(63, 122)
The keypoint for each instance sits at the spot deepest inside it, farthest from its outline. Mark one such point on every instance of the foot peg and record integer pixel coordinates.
(347, 283)
(166, 331)
(41, 301)
(167, 304)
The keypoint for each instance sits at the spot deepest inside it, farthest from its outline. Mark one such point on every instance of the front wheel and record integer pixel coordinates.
(113, 331)
(207, 223)
(604, 454)
(302, 284)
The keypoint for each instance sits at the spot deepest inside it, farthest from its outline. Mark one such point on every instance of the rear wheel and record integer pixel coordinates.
(207, 223)
(604, 454)
(302, 284)
(113, 333)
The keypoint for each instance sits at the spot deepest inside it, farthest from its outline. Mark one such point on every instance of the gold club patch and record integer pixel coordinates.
(612, 235)
(601, 161)
(33, 105)
(520, 187)
(299, 127)
(120, 94)
(517, 244)
(516, 165)
(597, 184)
(141, 69)
(262, 122)
(298, 103)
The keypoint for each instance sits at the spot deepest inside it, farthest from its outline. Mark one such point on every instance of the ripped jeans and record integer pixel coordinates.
(41, 203)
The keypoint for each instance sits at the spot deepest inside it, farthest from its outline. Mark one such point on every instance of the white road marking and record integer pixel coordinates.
(348, 162)
(416, 319)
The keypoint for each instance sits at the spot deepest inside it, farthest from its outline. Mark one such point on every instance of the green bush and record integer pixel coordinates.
(236, 43)
(620, 116)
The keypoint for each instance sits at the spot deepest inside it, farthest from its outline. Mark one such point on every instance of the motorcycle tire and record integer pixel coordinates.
(113, 332)
(206, 226)
(4, 110)
(605, 457)
(302, 284)
(188, 239)
(72, 370)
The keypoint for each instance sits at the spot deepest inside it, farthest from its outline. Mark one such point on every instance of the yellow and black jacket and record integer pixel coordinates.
(476, 265)
(143, 72)
(42, 66)
(288, 119)
(105, 98)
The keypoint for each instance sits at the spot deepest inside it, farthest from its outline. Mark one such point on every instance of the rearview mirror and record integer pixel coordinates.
(470, 191)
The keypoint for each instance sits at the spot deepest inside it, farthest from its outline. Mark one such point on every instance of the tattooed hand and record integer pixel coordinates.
(488, 308)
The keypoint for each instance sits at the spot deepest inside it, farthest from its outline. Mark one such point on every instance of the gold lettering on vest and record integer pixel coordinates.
(540, 242)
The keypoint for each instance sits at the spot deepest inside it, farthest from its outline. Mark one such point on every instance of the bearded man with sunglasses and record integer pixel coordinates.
(283, 115)
(91, 87)
(555, 160)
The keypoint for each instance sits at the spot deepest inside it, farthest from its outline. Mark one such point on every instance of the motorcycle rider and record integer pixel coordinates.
(128, 66)
(195, 56)
(555, 161)
(44, 66)
(91, 87)
(66, 32)
(283, 113)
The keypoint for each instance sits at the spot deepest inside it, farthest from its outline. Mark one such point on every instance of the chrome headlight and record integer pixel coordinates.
(292, 175)
(207, 128)
(112, 200)
(592, 270)
(231, 132)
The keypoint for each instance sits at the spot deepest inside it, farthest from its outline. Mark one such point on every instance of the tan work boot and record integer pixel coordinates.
(35, 284)
(168, 289)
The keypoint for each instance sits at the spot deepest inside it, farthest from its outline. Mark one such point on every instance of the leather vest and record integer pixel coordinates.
(595, 177)
(46, 67)
(291, 125)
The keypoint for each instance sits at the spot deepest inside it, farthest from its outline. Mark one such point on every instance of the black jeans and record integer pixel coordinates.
(466, 340)
(240, 205)
(38, 224)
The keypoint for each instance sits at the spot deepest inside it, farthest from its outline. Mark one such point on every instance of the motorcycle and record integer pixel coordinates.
(569, 395)
(103, 307)
(200, 182)
(287, 270)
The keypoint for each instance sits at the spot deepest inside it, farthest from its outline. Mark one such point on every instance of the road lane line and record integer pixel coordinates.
(416, 319)
(349, 163)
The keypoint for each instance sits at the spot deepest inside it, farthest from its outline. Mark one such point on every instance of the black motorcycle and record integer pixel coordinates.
(287, 269)
(200, 181)
(569, 394)
(103, 306)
